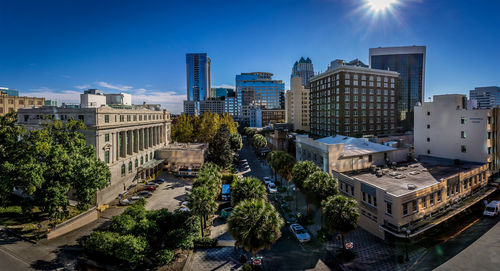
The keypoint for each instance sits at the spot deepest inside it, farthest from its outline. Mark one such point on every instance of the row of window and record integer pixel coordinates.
(316, 93)
(21, 102)
(134, 117)
(143, 159)
(354, 76)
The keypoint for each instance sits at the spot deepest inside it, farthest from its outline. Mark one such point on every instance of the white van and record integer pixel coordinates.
(492, 208)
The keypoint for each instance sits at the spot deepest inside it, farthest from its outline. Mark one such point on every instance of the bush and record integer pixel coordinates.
(122, 224)
(130, 248)
(165, 256)
(137, 211)
(101, 242)
(205, 242)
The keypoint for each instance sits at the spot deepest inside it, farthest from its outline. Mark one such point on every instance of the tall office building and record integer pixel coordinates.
(303, 69)
(258, 90)
(409, 62)
(198, 76)
(486, 97)
(353, 101)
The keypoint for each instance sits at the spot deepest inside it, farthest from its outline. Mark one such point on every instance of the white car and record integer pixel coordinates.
(271, 187)
(267, 180)
(300, 233)
(492, 208)
(126, 202)
(143, 194)
(152, 184)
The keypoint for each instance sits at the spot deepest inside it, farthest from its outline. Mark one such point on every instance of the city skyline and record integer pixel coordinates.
(136, 49)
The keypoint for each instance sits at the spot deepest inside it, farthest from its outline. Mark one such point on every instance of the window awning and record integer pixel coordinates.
(152, 163)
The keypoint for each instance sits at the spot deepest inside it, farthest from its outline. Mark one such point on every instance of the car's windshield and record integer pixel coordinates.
(301, 231)
(490, 209)
(272, 186)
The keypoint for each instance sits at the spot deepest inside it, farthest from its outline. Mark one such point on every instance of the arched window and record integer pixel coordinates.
(136, 163)
(142, 160)
(130, 166)
(123, 169)
(146, 157)
(151, 156)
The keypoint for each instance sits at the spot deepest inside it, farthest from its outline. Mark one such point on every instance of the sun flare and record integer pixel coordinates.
(380, 5)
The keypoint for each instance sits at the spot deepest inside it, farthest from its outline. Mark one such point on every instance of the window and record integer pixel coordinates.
(439, 196)
(428, 113)
(106, 138)
(128, 117)
(428, 126)
(428, 139)
(428, 151)
(431, 201)
(106, 157)
(130, 166)
(424, 202)
(136, 163)
(462, 134)
(123, 170)
(106, 118)
(405, 208)
(135, 117)
(81, 117)
(21, 102)
(146, 157)
(370, 158)
(463, 120)
(414, 205)
(122, 118)
(388, 208)
(142, 160)
(150, 155)
(463, 148)
(352, 190)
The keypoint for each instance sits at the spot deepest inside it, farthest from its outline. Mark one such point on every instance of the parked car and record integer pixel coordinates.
(159, 181)
(149, 188)
(271, 187)
(144, 194)
(267, 180)
(290, 218)
(492, 208)
(226, 212)
(126, 202)
(300, 233)
(152, 184)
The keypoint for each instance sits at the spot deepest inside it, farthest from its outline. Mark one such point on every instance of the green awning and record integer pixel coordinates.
(152, 163)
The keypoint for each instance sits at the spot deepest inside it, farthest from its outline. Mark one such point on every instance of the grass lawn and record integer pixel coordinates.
(32, 226)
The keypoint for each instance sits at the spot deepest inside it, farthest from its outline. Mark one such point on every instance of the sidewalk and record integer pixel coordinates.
(483, 254)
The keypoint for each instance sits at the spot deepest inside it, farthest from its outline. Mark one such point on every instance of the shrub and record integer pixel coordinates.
(165, 256)
(101, 242)
(137, 211)
(130, 248)
(122, 224)
(205, 242)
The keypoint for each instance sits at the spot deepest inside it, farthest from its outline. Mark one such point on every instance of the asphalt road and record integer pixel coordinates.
(9, 262)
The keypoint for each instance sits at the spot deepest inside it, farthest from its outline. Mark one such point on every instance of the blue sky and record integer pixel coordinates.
(57, 48)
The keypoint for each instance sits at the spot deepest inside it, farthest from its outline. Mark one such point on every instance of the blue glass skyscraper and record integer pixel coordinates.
(409, 61)
(198, 76)
(303, 68)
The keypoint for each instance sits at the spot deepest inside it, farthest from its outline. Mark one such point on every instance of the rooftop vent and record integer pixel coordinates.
(411, 187)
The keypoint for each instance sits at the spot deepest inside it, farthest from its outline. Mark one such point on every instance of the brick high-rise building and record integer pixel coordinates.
(353, 101)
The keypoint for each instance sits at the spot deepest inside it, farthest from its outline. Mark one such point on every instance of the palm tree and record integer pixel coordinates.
(340, 214)
(320, 185)
(285, 166)
(259, 141)
(210, 177)
(202, 203)
(255, 224)
(271, 161)
(247, 188)
(300, 172)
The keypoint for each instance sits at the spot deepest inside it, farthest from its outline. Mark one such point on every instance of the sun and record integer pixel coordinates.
(380, 5)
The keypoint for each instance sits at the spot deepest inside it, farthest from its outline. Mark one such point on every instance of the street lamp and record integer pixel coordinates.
(407, 233)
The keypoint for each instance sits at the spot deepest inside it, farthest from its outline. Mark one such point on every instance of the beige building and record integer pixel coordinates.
(297, 105)
(447, 128)
(13, 103)
(125, 139)
(342, 153)
(408, 199)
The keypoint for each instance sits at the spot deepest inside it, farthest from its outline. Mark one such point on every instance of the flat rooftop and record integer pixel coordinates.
(185, 146)
(426, 172)
(355, 146)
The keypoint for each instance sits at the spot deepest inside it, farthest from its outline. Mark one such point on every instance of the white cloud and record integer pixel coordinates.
(169, 100)
(223, 86)
(65, 96)
(83, 86)
(114, 86)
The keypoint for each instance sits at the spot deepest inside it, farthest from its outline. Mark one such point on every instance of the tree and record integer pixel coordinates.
(232, 126)
(207, 127)
(220, 148)
(255, 224)
(183, 129)
(340, 214)
(249, 132)
(301, 171)
(285, 163)
(247, 188)
(259, 141)
(210, 177)
(202, 203)
(321, 185)
(236, 142)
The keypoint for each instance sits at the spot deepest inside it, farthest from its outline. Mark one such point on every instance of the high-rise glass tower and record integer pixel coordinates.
(409, 62)
(486, 97)
(303, 68)
(198, 76)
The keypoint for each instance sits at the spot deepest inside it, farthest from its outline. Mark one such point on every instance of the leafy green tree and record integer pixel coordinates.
(259, 141)
(130, 248)
(122, 224)
(321, 185)
(202, 203)
(249, 132)
(232, 126)
(207, 127)
(101, 242)
(236, 142)
(247, 188)
(210, 176)
(165, 256)
(255, 224)
(183, 129)
(219, 150)
(301, 171)
(340, 214)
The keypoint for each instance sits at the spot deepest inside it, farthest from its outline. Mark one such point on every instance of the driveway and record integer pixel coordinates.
(169, 195)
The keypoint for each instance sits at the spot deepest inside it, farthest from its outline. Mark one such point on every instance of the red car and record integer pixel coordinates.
(147, 188)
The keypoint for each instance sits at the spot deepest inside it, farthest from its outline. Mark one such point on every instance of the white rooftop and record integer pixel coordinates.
(355, 146)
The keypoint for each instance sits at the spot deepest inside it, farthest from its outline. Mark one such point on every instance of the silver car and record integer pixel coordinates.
(300, 233)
